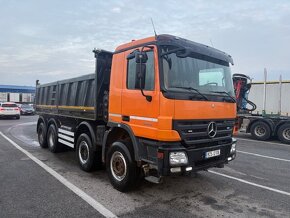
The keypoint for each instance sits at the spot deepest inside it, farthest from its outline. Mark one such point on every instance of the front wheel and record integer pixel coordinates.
(284, 133)
(121, 168)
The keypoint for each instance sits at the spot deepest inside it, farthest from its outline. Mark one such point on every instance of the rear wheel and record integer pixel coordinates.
(88, 158)
(17, 117)
(52, 139)
(261, 131)
(284, 133)
(121, 167)
(41, 133)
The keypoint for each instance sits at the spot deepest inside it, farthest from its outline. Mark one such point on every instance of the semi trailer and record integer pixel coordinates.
(154, 107)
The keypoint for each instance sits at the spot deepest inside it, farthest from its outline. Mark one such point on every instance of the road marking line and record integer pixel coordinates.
(95, 204)
(251, 183)
(259, 155)
(273, 143)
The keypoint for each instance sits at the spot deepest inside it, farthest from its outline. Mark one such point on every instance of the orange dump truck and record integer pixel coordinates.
(155, 107)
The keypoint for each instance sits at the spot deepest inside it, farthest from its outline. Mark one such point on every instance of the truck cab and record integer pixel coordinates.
(178, 102)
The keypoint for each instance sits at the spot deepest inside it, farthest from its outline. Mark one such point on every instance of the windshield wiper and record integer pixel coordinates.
(223, 92)
(191, 89)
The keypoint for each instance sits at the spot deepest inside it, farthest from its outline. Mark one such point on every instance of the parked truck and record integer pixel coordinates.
(261, 126)
(155, 107)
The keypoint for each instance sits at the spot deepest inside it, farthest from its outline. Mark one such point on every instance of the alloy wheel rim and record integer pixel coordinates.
(260, 131)
(118, 166)
(84, 152)
(286, 133)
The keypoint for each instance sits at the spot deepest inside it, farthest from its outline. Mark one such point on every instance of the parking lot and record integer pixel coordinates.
(256, 184)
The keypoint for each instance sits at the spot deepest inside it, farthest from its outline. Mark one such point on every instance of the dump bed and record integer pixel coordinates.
(80, 97)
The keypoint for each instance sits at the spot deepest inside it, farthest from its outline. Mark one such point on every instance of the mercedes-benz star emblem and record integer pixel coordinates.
(212, 129)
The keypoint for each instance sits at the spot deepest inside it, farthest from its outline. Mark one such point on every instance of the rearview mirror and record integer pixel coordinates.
(140, 79)
(140, 76)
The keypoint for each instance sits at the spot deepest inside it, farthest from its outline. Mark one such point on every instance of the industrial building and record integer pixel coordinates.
(18, 94)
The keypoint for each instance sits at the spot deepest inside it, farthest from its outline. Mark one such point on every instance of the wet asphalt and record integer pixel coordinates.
(26, 190)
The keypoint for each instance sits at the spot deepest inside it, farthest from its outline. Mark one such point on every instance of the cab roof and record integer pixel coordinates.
(166, 39)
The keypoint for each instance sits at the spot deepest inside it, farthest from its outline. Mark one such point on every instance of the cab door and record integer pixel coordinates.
(137, 112)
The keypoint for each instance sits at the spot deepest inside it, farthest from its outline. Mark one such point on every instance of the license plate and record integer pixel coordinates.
(214, 153)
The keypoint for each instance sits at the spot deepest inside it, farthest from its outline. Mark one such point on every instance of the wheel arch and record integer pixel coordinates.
(54, 122)
(41, 119)
(119, 131)
(86, 127)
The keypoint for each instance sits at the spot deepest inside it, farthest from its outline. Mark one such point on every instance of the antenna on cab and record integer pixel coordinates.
(211, 43)
(153, 28)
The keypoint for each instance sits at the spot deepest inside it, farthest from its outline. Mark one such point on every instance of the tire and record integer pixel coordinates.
(121, 167)
(52, 139)
(88, 158)
(260, 131)
(284, 133)
(17, 117)
(41, 133)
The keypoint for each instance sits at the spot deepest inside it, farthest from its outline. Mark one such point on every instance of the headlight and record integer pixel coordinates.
(178, 158)
(233, 148)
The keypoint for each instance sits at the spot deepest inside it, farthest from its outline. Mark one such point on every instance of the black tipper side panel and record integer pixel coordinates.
(79, 97)
(73, 97)
(194, 133)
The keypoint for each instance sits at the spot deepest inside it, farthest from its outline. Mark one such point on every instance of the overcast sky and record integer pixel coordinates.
(53, 39)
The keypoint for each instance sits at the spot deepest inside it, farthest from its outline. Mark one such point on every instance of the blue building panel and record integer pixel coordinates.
(17, 89)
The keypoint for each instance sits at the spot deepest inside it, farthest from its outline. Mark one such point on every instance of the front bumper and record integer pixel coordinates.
(196, 158)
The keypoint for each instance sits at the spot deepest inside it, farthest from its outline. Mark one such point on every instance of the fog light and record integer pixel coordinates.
(177, 158)
(233, 148)
(230, 158)
(175, 170)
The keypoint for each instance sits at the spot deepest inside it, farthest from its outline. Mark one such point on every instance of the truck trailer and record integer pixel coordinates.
(261, 126)
(154, 107)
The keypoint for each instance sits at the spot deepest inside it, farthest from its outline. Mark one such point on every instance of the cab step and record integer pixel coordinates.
(154, 179)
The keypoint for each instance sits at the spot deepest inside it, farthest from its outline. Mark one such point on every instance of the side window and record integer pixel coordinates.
(132, 80)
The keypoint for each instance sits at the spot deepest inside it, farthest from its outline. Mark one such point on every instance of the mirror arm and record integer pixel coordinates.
(147, 46)
(148, 97)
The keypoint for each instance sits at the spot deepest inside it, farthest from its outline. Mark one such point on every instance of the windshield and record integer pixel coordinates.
(207, 75)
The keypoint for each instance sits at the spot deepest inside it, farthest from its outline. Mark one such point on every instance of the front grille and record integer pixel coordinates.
(194, 133)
